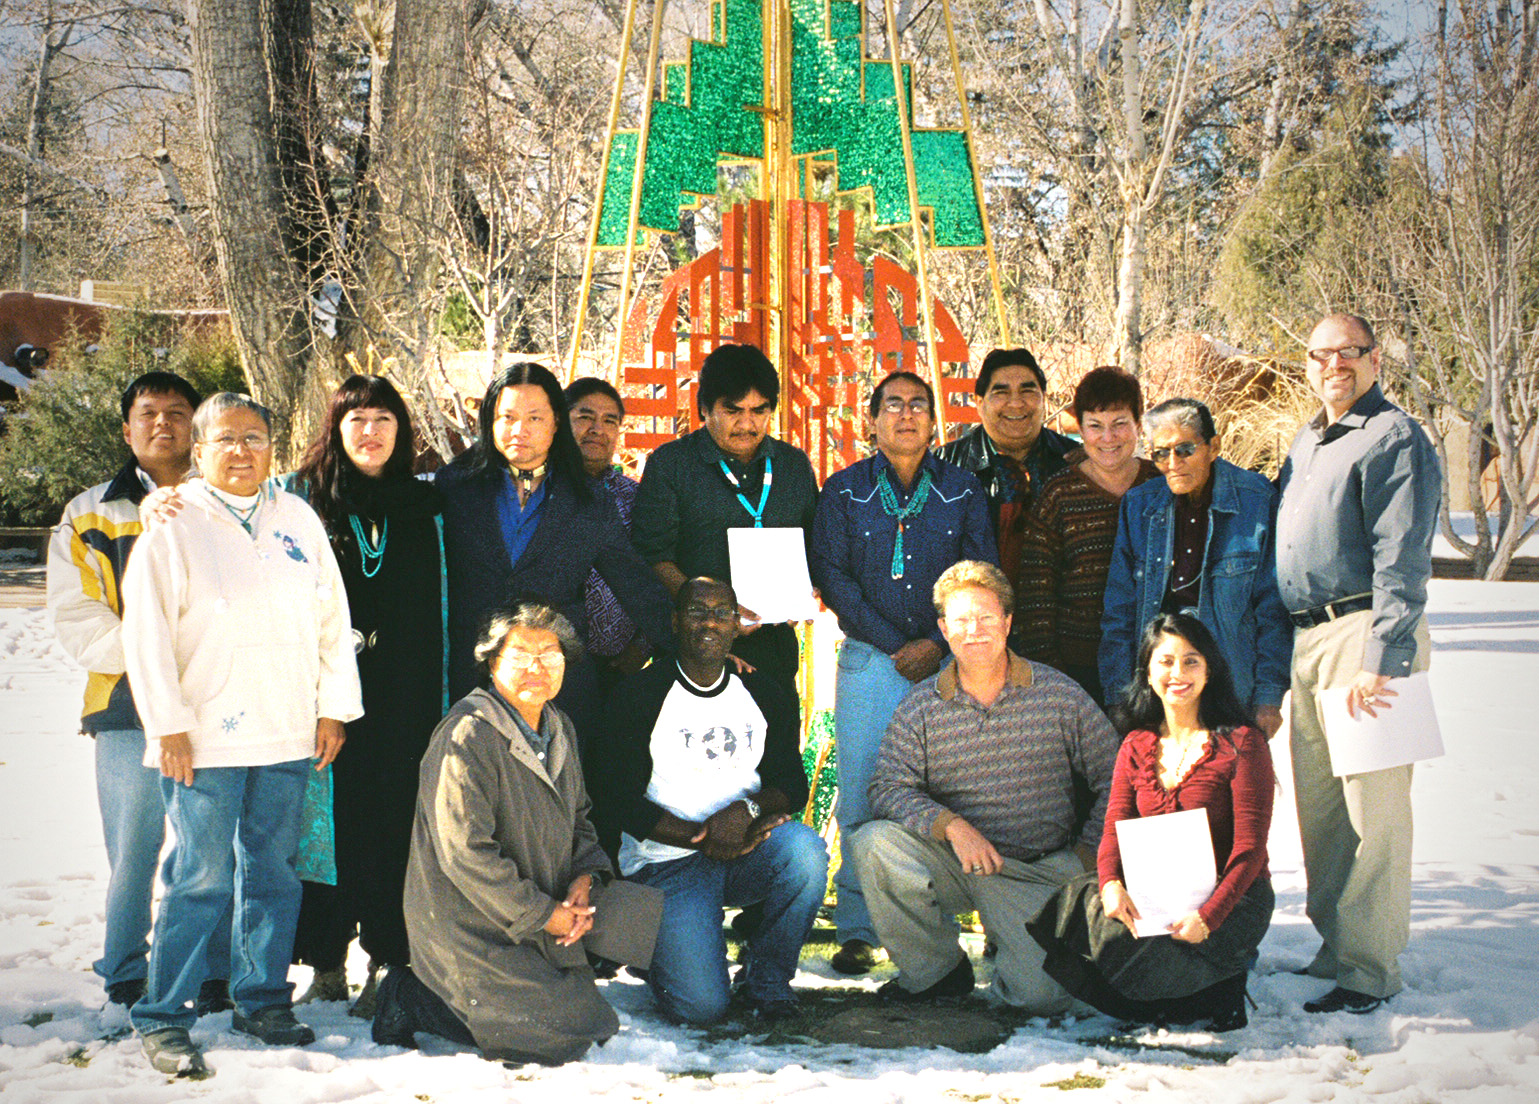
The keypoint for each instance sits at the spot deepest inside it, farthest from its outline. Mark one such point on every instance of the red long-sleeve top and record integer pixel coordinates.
(1232, 780)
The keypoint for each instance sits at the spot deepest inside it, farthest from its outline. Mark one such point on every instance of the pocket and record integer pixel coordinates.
(853, 655)
(270, 693)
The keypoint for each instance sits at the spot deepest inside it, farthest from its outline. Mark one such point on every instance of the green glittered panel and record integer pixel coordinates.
(820, 733)
(945, 179)
(615, 211)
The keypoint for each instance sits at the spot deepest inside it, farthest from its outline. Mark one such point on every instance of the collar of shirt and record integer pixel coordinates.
(930, 463)
(710, 451)
(537, 739)
(1368, 404)
(948, 684)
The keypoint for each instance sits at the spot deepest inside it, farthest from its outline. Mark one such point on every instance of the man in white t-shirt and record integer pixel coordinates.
(703, 772)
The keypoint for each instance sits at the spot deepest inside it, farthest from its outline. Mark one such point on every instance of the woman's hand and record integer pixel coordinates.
(176, 757)
(579, 891)
(1118, 905)
(330, 735)
(1191, 928)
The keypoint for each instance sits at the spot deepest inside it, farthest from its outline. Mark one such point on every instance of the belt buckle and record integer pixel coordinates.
(1330, 611)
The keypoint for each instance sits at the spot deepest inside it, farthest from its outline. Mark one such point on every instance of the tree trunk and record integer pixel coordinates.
(250, 223)
(36, 120)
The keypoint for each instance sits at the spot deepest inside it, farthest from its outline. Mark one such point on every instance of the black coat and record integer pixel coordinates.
(572, 537)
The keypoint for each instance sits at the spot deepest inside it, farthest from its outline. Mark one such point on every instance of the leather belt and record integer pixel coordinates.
(1306, 619)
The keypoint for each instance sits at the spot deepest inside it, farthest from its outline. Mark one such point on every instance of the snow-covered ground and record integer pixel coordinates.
(1466, 1028)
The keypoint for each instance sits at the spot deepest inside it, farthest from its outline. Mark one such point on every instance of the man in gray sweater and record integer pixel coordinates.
(974, 788)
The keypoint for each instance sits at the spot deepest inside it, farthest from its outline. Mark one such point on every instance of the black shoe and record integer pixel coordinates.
(854, 957)
(274, 1025)
(747, 921)
(1342, 999)
(125, 992)
(214, 997)
(171, 1050)
(775, 1011)
(393, 1021)
(958, 983)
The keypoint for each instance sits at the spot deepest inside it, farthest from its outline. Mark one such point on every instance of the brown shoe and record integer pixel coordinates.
(958, 983)
(855, 957)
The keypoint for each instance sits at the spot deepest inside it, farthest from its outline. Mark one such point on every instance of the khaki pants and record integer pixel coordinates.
(1356, 830)
(914, 889)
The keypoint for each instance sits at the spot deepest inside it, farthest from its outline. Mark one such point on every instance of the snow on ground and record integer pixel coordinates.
(1466, 1028)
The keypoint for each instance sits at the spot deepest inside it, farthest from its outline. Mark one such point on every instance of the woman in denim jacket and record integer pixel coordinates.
(1199, 541)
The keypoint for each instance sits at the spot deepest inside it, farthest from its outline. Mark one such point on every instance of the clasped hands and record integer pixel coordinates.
(573, 917)
(1118, 904)
(730, 833)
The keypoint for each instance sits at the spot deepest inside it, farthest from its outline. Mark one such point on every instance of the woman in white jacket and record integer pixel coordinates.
(239, 649)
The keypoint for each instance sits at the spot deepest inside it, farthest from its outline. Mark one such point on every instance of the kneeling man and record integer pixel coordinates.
(706, 774)
(974, 788)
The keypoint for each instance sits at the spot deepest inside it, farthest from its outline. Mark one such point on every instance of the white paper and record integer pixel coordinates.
(769, 573)
(1167, 866)
(1406, 732)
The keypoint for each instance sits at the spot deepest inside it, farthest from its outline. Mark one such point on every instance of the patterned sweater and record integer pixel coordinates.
(1067, 549)
(1008, 769)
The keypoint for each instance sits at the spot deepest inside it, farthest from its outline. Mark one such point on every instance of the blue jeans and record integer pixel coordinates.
(867, 690)
(133, 828)
(688, 977)
(237, 832)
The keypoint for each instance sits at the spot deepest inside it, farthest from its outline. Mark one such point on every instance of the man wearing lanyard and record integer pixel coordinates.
(886, 528)
(729, 474)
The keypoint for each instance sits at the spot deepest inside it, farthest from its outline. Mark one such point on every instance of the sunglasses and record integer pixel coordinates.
(1346, 352)
(1184, 450)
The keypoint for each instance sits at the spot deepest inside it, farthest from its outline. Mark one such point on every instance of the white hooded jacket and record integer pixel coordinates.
(241, 640)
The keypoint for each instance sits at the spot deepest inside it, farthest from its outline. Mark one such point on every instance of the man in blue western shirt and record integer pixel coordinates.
(885, 529)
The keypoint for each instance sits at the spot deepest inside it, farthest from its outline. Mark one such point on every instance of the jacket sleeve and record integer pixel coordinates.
(587, 855)
(640, 593)
(1274, 631)
(1092, 750)
(833, 573)
(655, 516)
(338, 693)
(1251, 791)
(897, 790)
(623, 752)
(1121, 804)
(153, 590)
(1035, 631)
(781, 767)
(1119, 634)
(463, 830)
(84, 599)
(978, 540)
(1401, 488)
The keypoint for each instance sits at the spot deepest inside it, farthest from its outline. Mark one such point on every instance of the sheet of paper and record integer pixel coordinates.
(769, 573)
(1167, 866)
(1406, 732)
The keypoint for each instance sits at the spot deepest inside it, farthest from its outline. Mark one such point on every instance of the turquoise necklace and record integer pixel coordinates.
(902, 514)
(370, 555)
(769, 477)
(244, 515)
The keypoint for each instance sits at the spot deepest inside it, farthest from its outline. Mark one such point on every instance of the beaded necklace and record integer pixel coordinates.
(769, 476)
(370, 554)
(903, 513)
(244, 515)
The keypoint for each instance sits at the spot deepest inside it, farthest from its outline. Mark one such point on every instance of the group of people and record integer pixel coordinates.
(510, 726)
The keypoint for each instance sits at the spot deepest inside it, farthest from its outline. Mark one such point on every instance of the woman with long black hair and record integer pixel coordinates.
(382, 522)
(522, 522)
(1189, 745)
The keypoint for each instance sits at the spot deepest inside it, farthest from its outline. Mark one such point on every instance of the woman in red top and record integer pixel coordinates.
(1189, 745)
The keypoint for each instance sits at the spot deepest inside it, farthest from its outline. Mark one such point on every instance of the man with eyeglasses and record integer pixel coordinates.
(87, 557)
(1360, 491)
(705, 776)
(1012, 452)
(975, 798)
(885, 529)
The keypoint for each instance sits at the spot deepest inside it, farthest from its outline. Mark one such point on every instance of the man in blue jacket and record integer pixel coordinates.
(1203, 540)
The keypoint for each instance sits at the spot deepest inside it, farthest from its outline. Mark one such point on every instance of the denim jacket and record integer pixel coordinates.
(1238, 590)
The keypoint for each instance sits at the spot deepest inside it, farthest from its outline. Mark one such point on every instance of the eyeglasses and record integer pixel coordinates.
(896, 405)
(253, 442)
(988, 622)
(1346, 352)
(711, 613)
(527, 661)
(1184, 450)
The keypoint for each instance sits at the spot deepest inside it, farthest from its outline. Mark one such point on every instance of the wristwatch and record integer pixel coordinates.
(753, 808)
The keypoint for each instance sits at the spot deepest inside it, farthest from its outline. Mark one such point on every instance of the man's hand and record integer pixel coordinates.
(727, 833)
(1269, 719)
(329, 738)
(918, 659)
(569, 923)
(633, 657)
(176, 758)
(1116, 903)
(747, 621)
(760, 829)
(160, 506)
(579, 891)
(976, 854)
(1367, 692)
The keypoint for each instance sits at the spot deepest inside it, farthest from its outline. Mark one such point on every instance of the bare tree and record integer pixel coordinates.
(1463, 259)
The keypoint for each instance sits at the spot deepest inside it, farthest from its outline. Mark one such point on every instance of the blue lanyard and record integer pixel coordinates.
(769, 475)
